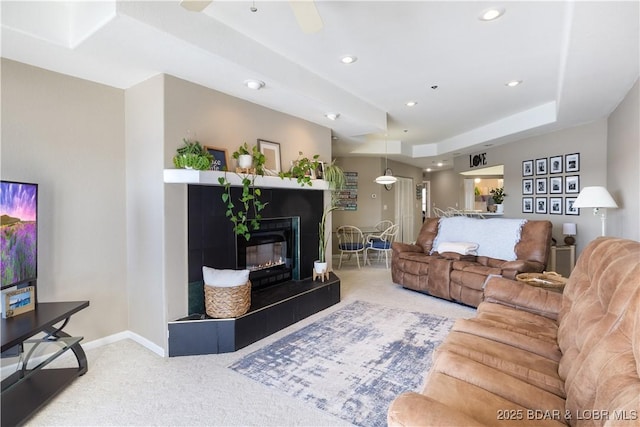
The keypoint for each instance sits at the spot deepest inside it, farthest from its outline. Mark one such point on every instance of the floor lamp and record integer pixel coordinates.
(596, 198)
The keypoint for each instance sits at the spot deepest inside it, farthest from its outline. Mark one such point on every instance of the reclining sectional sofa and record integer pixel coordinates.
(486, 247)
(536, 357)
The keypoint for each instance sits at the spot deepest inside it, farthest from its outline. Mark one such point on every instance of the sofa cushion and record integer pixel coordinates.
(517, 335)
(532, 368)
(482, 392)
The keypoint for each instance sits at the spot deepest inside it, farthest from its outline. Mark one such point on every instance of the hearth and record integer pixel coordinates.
(272, 253)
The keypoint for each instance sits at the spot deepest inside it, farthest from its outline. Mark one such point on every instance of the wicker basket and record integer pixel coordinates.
(224, 302)
(547, 279)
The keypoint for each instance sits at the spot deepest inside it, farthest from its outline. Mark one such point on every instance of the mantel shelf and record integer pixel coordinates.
(188, 176)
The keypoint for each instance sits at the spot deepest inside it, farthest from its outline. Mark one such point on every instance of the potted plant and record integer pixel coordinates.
(320, 265)
(192, 156)
(249, 200)
(498, 195)
(302, 169)
(335, 176)
(244, 156)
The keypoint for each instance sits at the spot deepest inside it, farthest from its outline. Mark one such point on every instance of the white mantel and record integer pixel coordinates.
(190, 176)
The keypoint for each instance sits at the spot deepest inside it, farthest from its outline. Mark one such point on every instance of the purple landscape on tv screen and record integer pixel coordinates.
(19, 232)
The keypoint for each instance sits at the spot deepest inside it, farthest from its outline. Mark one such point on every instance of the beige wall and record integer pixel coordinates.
(623, 175)
(67, 135)
(375, 203)
(144, 111)
(590, 140)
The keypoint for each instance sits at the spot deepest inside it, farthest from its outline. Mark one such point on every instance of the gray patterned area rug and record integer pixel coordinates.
(353, 362)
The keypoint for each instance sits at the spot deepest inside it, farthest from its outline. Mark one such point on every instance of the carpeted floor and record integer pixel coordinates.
(128, 385)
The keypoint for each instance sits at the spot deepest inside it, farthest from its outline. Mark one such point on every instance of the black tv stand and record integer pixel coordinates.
(29, 388)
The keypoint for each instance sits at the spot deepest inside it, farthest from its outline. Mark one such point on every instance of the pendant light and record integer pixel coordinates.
(387, 178)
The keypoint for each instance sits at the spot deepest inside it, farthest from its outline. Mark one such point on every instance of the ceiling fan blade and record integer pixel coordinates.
(195, 5)
(307, 15)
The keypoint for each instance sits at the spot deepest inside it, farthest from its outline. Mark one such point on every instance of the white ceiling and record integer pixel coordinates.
(577, 60)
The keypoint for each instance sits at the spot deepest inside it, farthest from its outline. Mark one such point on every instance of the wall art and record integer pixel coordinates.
(541, 166)
(572, 162)
(541, 185)
(568, 206)
(541, 205)
(555, 164)
(555, 185)
(555, 205)
(572, 184)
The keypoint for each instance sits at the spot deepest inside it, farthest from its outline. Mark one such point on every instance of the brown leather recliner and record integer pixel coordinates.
(461, 278)
(534, 357)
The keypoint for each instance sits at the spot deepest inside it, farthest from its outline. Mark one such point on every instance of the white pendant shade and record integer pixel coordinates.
(386, 179)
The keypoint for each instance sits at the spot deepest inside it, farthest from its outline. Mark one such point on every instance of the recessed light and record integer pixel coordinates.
(411, 103)
(513, 83)
(254, 84)
(348, 59)
(491, 14)
(428, 169)
(440, 164)
(332, 116)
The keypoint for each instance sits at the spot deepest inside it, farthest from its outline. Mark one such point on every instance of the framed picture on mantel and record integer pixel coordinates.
(271, 151)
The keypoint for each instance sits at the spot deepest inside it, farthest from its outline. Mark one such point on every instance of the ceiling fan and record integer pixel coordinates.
(305, 12)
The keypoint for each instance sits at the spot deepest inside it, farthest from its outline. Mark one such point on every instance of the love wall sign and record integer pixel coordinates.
(476, 160)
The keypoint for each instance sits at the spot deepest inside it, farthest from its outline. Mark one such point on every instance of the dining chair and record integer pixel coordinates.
(381, 243)
(350, 241)
(383, 225)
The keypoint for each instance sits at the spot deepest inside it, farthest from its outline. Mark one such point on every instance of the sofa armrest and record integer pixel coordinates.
(512, 268)
(519, 295)
(406, 247)
(414, 409)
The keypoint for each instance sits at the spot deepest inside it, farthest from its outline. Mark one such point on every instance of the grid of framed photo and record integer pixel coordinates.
(546, 180)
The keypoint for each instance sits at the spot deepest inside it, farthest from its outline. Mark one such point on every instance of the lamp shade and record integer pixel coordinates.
(386, 179)
(594, 197)
(569, 229)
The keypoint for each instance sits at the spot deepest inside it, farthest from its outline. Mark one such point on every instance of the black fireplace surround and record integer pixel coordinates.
(212, 242)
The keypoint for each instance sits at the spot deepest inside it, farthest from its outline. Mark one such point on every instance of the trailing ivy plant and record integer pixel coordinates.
(249, 202)
(192, 156)
(301, 169)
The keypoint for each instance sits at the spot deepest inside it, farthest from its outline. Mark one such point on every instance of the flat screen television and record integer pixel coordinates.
(19, 233)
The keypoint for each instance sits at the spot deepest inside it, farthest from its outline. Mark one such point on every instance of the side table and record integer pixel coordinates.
(553, 256)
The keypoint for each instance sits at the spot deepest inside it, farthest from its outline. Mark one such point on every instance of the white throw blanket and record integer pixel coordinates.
(496, 237)
(463, 248)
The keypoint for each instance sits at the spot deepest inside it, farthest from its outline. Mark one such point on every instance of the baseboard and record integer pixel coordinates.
(13, 366)
(123, 336)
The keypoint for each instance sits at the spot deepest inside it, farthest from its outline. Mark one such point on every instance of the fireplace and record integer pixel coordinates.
(272, 253)
(212, 242)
